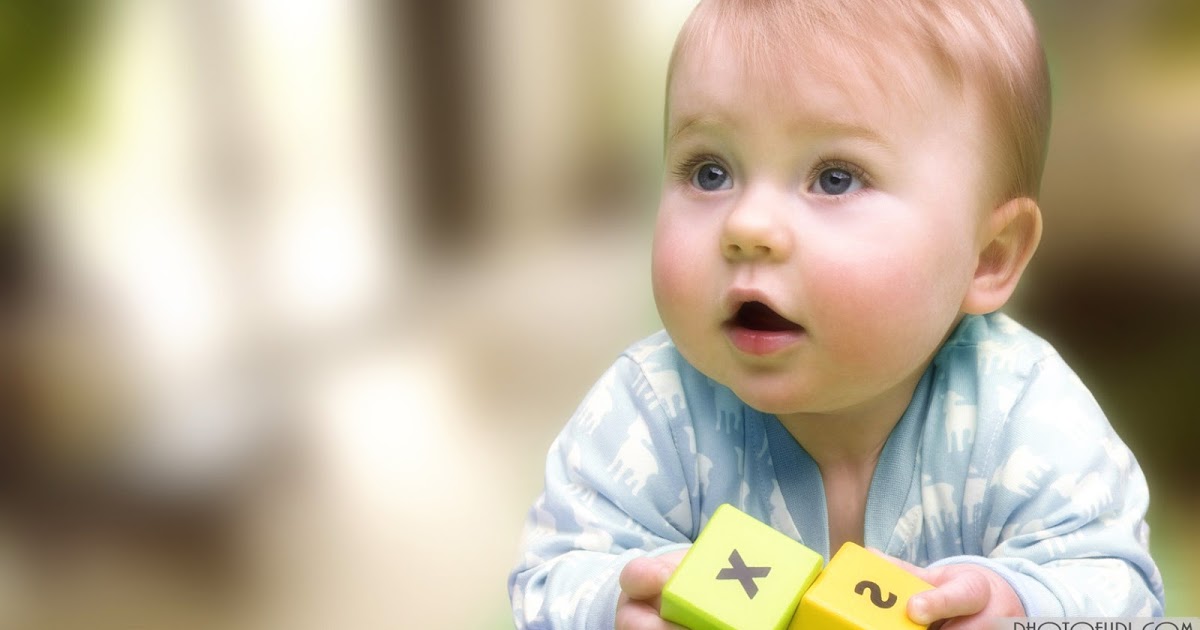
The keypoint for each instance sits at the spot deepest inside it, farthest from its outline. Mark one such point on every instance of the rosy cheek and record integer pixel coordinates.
(679, 249)
(668, 273)
(853, 286)
(868, 298)
(662, 277)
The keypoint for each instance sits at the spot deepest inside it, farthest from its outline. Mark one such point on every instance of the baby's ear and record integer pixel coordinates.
(1010, 234)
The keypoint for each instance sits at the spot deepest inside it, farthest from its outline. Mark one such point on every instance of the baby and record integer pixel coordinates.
(849, 199)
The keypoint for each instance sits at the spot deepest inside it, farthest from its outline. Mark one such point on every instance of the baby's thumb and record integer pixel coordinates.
(965, 594)
(644, 578)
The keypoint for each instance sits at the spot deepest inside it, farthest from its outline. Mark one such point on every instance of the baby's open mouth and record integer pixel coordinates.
(759, 316)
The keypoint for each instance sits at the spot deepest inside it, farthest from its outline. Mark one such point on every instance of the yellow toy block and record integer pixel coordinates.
(858, 590)
(739, 575)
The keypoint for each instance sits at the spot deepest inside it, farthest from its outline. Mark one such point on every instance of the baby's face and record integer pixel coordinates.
(815, 237)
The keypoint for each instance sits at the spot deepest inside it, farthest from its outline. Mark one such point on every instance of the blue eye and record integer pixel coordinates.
(836, 181)
(711, 177)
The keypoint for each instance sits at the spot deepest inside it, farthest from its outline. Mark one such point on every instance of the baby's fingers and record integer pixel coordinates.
(966, 593)
(632, 615)
(644, 578)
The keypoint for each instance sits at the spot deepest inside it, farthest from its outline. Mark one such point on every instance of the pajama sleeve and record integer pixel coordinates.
(615, 489)
(1063, 515)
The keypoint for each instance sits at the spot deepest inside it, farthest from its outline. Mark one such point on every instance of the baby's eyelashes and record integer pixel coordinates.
(835, 177)
(828, 177)
(836, 181)
(703, 172)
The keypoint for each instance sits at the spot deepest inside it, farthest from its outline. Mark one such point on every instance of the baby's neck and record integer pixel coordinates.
(847, 468)
(852, 438)
(843, 442)
(846, 505)
(846, 448)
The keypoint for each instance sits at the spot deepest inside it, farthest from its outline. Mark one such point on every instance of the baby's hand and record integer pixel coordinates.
(965, 597)
(642, 583)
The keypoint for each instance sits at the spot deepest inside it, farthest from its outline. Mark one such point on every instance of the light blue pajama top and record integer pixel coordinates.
(1002, 459)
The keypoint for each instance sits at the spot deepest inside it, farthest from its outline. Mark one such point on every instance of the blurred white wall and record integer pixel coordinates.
(239, 210)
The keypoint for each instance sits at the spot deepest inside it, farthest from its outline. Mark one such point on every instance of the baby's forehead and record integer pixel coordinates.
(869, 66)
(841, 77)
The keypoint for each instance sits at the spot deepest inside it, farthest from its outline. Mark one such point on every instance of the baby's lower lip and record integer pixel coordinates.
(762, 342)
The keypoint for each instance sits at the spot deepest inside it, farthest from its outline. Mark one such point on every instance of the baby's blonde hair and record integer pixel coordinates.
(991, 46)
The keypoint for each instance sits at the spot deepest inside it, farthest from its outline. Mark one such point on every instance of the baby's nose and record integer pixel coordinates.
(755, 231)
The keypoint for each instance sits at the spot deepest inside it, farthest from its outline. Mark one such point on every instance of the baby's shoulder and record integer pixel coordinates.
(656, 349)
(995, 347)
(995, 377)
(657, 359)
(997, 331)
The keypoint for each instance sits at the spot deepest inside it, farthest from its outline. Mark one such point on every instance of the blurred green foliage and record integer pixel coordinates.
(43, 48)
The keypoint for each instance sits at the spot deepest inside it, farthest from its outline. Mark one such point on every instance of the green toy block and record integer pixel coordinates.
(739, 575)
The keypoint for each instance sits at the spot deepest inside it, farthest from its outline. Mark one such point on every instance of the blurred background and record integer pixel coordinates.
(295, 294)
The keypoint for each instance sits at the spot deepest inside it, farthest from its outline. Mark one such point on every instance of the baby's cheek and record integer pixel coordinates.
(667, 279)
(676, 278)
(861, 289)
(884, 306)
(682, 249)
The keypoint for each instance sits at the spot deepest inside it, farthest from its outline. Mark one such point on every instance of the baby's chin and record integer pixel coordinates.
(773, 402)
(785, 400)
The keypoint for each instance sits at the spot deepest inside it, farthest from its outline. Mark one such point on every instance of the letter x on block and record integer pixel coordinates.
(739, 571)
(739, 574)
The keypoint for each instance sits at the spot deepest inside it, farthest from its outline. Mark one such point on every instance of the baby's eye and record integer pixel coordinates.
(710, 177)
(836, 181)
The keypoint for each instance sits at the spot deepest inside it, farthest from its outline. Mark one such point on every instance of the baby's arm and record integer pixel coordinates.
(615, 491)
(1062, 519)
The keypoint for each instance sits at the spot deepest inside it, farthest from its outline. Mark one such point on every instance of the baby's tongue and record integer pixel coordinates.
(759, 316)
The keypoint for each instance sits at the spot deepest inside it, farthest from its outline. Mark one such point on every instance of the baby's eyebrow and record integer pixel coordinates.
(822, 127)
(846, 128)
(692, 122)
